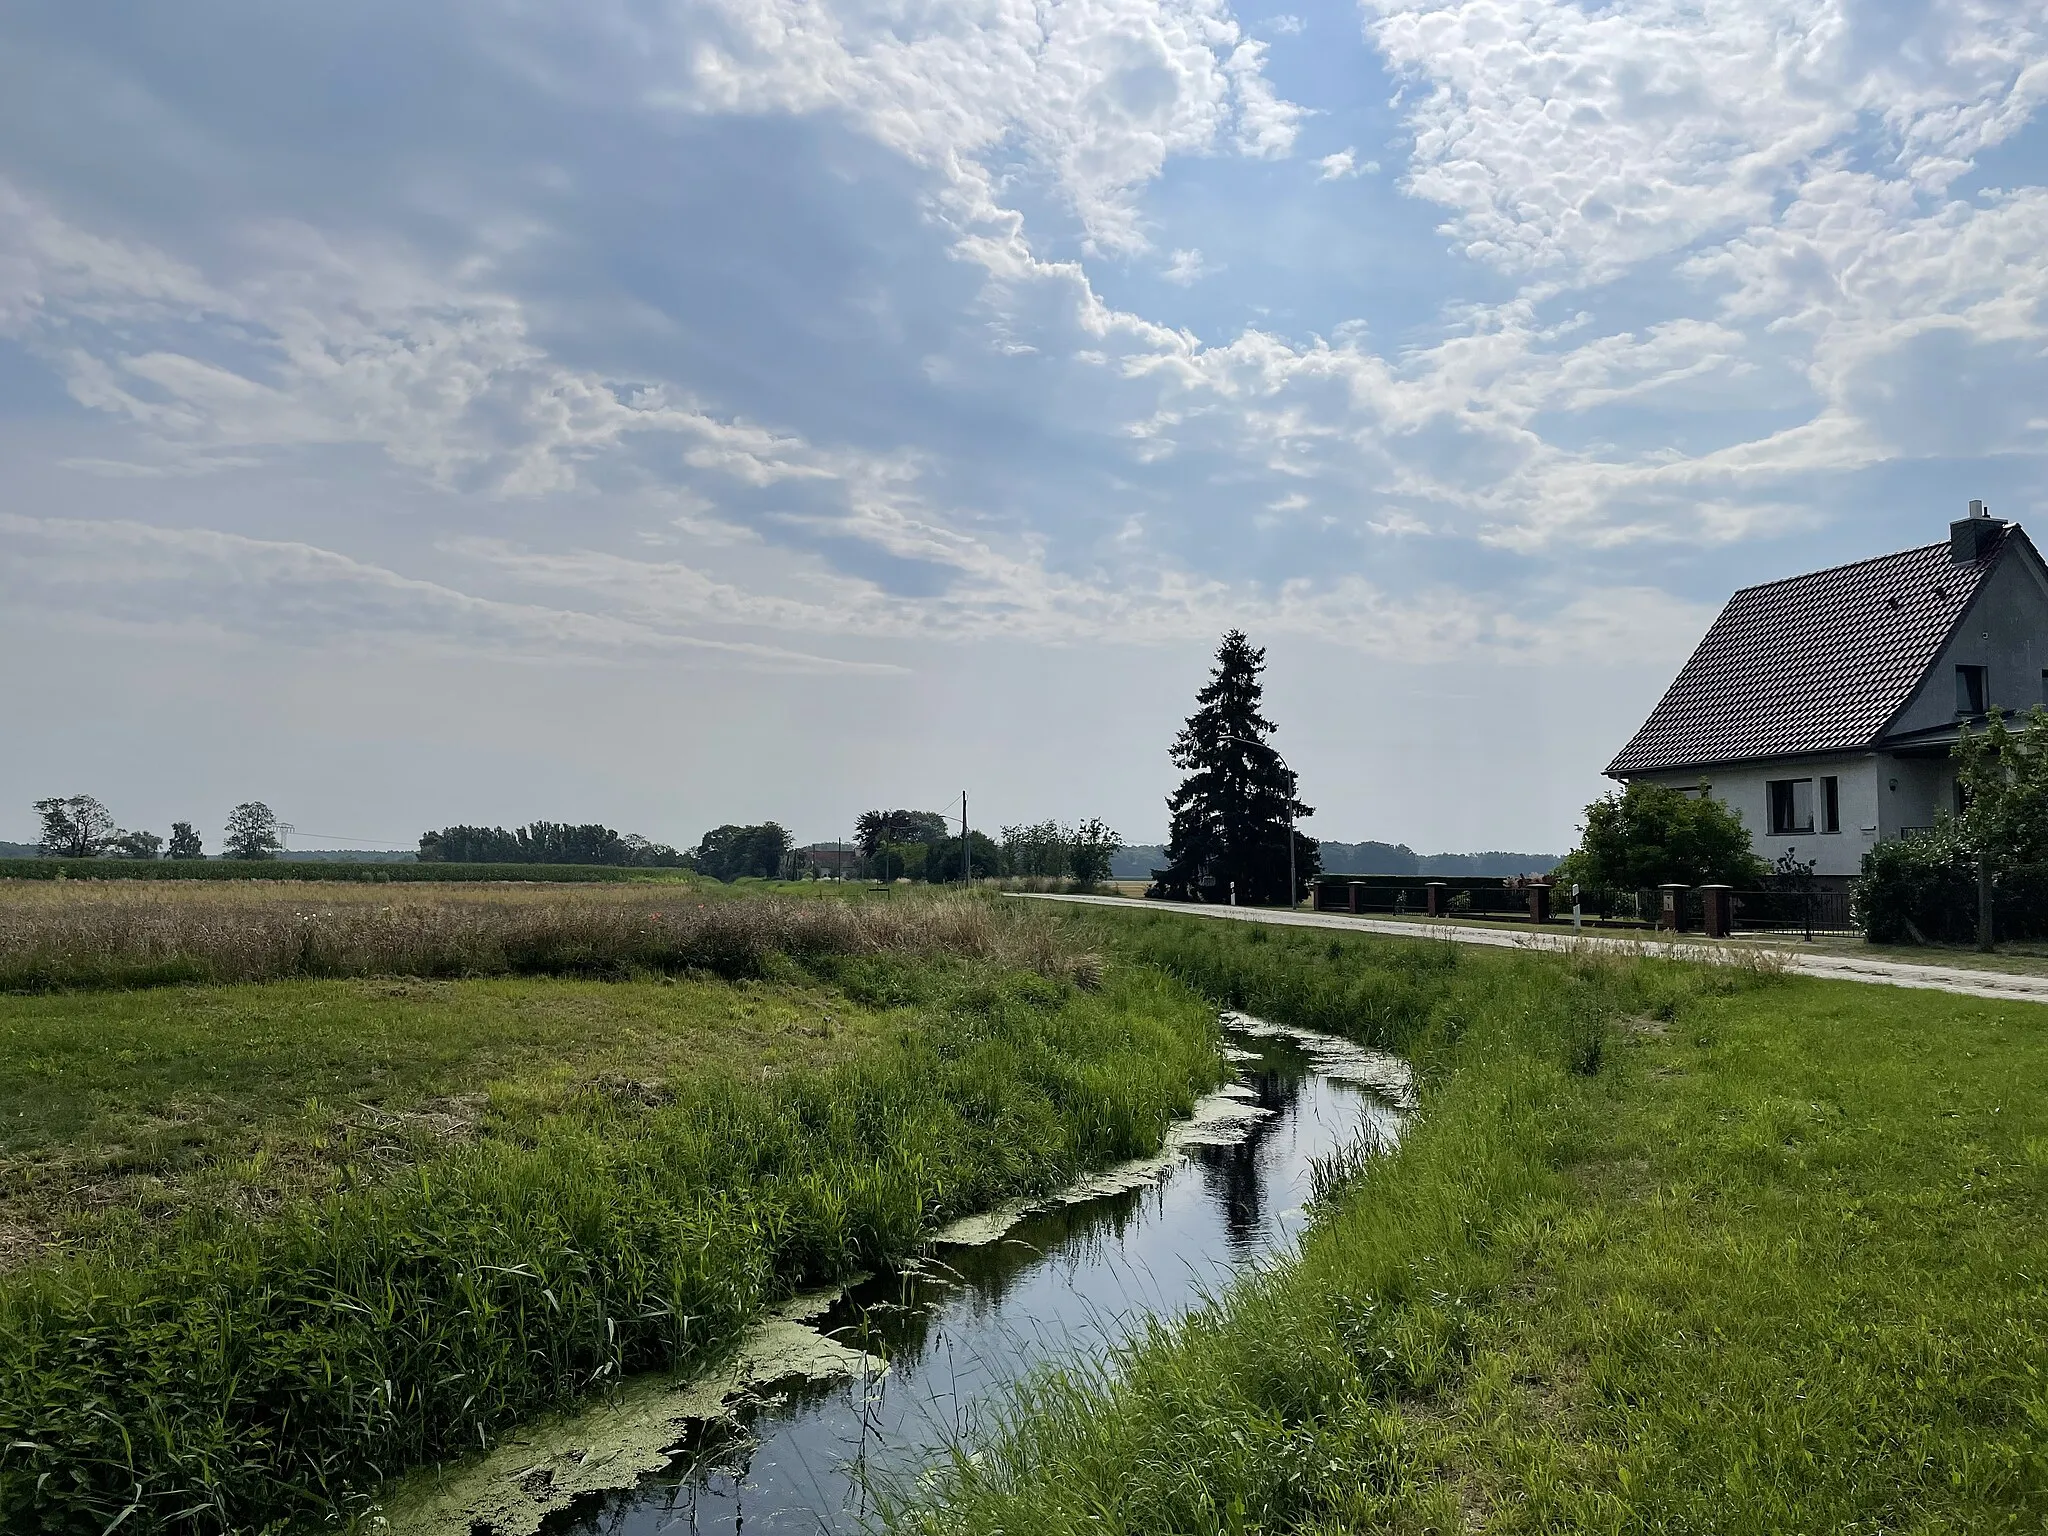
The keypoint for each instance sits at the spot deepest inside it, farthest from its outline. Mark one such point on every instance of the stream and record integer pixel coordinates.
(1070, 1282)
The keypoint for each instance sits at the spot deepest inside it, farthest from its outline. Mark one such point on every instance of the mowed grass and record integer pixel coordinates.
(121, 1109)
(1667, 1250)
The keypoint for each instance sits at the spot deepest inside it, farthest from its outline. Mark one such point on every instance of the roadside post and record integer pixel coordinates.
(1576, 914)
(1985, 938)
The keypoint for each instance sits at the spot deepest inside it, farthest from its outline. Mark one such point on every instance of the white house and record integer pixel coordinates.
(1823, 707)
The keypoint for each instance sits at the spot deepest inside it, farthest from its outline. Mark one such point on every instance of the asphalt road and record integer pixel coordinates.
(1884, 973)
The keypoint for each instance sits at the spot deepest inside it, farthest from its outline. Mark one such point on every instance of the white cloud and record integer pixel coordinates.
(1343, 165)
(299, 594)
(1186, 267)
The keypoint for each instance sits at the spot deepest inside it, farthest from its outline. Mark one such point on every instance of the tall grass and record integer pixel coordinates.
(235, 1378)
(1669, 1248)
(106, 935)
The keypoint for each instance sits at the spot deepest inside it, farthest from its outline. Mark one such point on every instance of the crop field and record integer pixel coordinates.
(1666, 1250)
(267, 1241)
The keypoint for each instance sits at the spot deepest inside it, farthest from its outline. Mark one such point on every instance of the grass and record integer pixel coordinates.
(1669, 1249)
(367, 872)
(118, 1112)
(535, 1188)
(78, 935)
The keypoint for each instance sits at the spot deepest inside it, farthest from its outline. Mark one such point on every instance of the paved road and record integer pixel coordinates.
(1888, 973)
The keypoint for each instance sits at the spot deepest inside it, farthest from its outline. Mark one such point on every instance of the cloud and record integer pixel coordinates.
(1186, 267)
(137, 575)
(1345, 164)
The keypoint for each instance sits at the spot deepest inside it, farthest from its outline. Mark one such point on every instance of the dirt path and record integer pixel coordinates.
(1888, 973)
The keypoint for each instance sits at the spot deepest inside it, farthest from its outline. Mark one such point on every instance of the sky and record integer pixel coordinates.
(677, 412)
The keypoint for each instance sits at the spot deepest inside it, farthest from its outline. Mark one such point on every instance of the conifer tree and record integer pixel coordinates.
(1229, 825)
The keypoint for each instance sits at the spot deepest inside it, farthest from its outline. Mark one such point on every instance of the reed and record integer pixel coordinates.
(79, 935)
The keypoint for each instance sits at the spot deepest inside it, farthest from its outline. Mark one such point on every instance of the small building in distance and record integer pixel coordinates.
(1823, 707)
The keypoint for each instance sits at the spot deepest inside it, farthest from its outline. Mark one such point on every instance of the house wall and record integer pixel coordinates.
(1911, 790)
(2005, 631)
(1864, 785)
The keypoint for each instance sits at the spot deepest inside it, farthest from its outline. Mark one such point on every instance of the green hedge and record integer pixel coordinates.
(295, 869)
(1923, 890)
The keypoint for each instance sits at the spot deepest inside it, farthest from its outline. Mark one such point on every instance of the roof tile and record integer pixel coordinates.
(1814, 663)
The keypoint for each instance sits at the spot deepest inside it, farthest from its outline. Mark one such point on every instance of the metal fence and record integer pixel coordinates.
(1799, 914)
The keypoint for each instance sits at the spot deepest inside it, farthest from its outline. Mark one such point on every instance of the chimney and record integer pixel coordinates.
(1971, 538)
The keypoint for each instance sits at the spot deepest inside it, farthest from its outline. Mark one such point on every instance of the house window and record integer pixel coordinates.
(2044, 685)
(1970, 690)
(1831, 804)
(1791, 806)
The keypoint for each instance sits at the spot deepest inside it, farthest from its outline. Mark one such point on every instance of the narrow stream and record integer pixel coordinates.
(1065, 1283)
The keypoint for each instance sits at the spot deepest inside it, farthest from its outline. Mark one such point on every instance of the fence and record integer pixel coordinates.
(1711, 910)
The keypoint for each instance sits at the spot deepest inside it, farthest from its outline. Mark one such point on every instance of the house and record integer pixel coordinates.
(1823, 707)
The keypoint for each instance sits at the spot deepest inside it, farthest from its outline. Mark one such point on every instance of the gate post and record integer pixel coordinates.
(1353, 889)
(1673, 915)
(1433, 891)
(1539, 901)
(1716, 904)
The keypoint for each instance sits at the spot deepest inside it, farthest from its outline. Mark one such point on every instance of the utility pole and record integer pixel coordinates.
(966, 868)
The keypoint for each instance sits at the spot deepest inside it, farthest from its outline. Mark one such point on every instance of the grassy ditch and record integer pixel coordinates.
(220, 1372)
(78, 935)
(1668, 1249)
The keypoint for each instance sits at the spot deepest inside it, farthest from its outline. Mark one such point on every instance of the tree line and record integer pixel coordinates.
(80, 827)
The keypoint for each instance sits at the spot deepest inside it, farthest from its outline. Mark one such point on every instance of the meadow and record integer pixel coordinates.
(1666, 1250)
(272, 1241)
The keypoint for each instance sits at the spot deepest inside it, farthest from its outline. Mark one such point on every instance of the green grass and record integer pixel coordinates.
(226, 1374)
(1668, 1250)
(120, 1110)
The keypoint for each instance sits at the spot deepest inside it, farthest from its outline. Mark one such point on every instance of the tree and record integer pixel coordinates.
(1648, 835)
(1231, 814)
(1038, 850)
(2004, 780)
(252, 832)
(185, 841)
(730, 852)
(942, 858)
(137, 845)
(873, 829)
(77, 827)
(1090, 847)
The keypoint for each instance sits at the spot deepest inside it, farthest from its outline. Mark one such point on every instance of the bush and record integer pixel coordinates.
(1923, 890)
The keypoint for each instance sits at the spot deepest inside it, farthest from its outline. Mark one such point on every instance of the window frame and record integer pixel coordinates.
(1973, 689)
(1782, 795)
(1830, 804)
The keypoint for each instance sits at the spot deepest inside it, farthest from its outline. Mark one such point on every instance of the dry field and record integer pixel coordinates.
(75, 934)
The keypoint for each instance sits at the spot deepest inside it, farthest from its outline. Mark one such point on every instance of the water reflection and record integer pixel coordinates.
(963, 1325)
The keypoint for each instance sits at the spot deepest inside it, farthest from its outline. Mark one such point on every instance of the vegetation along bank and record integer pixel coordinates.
(268, 1241)
(1667, 1249)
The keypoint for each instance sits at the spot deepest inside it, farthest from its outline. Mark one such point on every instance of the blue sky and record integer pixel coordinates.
(672, 413)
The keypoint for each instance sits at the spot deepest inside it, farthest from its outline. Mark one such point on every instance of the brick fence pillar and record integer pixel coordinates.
(1672, 913)
(1716, 904)
(1438, 902)
(1353, 890)
(1539, 901)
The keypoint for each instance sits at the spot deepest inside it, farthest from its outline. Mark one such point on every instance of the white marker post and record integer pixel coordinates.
(1575, 906)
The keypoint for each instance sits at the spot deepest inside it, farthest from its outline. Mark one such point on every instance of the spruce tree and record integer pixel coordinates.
(1230, 815)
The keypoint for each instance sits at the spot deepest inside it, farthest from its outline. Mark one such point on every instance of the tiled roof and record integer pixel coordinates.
(1815, 663)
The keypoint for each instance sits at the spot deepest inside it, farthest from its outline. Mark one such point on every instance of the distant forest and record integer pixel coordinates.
(1369, 859)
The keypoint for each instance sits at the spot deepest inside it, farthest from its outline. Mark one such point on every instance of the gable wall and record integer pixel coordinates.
(2004, 630)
